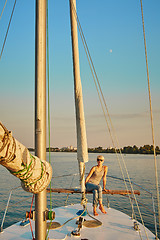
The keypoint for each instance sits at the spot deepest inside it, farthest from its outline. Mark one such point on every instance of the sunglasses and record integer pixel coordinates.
(99, 160)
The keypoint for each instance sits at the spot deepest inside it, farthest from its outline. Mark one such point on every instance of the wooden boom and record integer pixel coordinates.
(72, 190)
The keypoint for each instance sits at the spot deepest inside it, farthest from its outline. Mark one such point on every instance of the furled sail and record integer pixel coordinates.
(35, 174)
(82, 149)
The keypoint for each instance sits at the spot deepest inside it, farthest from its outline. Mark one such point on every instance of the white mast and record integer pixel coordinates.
(82, 151)
(40, 111)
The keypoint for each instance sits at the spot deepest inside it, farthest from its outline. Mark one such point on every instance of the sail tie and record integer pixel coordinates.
(84, 200)
(10, 155)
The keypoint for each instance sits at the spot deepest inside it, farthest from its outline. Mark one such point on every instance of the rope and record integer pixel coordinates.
(17, 203)
(84, 200)
(82, 176)
(8, 29)
(3, 9)
(49, 124)
(92, 216)
(7, 136)
(68, 193)
(66, 175)
(27, 169)
(85, 209)
(151, 114)
(30, 219)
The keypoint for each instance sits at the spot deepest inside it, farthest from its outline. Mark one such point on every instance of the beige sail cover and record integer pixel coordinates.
(82, 149)
(35, 174)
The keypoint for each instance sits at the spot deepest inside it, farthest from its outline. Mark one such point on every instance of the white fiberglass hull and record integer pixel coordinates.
(115, 225)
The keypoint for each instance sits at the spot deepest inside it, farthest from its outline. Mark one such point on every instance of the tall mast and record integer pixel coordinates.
(40, 111)
(82, 151)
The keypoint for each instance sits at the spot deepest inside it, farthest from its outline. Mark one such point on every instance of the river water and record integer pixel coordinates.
(140, 169)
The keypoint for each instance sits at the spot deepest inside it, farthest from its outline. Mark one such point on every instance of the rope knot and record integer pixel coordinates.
(84, 200)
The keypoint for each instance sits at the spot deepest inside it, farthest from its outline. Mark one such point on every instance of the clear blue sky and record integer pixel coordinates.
(113, 30)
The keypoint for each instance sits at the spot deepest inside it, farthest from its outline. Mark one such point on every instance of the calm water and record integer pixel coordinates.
(140, 168)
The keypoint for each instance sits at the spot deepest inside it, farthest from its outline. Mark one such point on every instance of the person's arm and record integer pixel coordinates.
(90, 174)
(104, 177)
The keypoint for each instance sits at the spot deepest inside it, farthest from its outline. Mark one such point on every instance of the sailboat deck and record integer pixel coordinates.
(115, 225)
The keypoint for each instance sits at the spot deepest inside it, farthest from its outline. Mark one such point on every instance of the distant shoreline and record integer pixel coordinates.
(146, 149)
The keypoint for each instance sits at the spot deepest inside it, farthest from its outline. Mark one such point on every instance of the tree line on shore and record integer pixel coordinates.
(146, 149)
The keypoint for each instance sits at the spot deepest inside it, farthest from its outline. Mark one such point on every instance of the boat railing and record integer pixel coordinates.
(108, 176)
(131, 182)
(6, 209)
(7, 205)
(145, 190)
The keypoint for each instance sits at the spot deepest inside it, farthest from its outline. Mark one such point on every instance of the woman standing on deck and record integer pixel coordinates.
(92, 183)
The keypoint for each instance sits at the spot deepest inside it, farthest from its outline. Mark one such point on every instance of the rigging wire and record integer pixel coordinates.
(49, 124)
(8, 29)
(91, 64)
(3, 9)
(151, 114)
(69, 193)
(33, 238)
